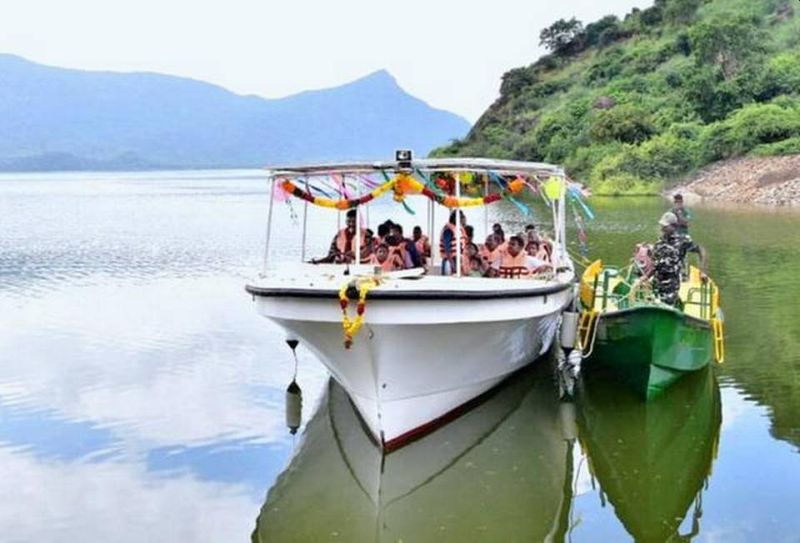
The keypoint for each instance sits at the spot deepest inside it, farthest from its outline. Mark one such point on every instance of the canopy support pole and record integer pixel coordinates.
(357, 244)
(433, 239)
(485, 207)
(269, 225)
(458, 226)
(305, 225)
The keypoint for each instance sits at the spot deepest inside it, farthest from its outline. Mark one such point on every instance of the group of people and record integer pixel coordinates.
(389, 249)
(664, 263)
(524, 254)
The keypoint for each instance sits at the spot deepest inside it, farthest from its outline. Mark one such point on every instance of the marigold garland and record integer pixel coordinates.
(402, 185)
(352, 326)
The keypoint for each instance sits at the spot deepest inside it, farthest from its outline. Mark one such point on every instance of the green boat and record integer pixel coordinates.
(651, 460)
(649, 345)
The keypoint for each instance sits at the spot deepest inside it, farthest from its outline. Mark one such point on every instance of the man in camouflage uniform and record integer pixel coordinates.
(669, 253)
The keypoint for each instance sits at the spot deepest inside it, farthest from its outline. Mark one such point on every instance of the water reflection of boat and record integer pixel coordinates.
(500, 472)
(652, 459)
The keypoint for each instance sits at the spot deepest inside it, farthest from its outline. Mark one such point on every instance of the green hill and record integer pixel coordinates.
(628, 105)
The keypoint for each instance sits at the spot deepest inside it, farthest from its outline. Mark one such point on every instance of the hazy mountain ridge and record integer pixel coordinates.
(55, 118)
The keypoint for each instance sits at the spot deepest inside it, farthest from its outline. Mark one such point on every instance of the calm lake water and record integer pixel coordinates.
(142, 399)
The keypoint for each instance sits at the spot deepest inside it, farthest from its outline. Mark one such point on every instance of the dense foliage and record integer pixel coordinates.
(629, 105)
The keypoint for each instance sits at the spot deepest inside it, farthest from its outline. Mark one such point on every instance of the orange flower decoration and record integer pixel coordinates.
(516, 185)
(450, 201)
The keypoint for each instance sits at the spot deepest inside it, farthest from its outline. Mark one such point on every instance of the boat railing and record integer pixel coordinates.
(703, 297)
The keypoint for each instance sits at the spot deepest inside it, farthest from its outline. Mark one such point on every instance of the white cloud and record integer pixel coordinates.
(116, 502)
(188, 371)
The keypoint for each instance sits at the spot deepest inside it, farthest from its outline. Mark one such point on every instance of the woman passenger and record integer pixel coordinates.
(466, 258)
(490, 251)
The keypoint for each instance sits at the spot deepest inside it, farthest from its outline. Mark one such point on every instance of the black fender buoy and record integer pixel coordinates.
(294, 407)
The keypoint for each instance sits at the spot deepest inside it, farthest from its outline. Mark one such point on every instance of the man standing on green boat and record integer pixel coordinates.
(683, 215)
(669, 253)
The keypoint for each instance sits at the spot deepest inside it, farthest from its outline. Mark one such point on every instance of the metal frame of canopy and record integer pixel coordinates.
(428, 164)
(453, 165)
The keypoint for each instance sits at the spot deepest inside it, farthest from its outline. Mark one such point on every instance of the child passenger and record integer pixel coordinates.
(387, 261)
(475, 267)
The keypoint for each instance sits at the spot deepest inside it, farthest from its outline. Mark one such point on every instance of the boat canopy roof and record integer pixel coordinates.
(502, 167)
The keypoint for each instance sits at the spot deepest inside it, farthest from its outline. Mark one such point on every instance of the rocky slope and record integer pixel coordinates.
(748, 180)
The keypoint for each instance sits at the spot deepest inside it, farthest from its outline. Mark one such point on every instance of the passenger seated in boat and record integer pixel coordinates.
(642, 260)
(447, 243)
(497, 230)
(539, 250)
(385, 259)
(423, 244)
(383, 231)
(369, 245)
(470, 231)
(530, 233)
(476, 267)
(546, 250)
(341, 251)
(514, 262)
(466, 258)
(408, 249)
(538, 258)
(490, 251)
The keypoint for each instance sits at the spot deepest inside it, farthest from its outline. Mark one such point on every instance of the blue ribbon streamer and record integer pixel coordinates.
(578, 197)
(503, 185)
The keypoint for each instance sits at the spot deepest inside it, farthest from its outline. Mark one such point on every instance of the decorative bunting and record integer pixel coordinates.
(402, 185)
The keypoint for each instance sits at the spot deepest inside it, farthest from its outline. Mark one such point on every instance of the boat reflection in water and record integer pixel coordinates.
(651, 460)
(502, 471)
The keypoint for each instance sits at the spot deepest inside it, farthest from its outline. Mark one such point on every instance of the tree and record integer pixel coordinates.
(563, 37)
(726, 42)
(626, 123)
(515, 80)
(681, 12)
(596, 29)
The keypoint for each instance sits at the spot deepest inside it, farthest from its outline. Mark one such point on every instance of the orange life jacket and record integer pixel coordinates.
(345, 243)
(514, 267)
(490, 256)
(423, 246)
(452, 248)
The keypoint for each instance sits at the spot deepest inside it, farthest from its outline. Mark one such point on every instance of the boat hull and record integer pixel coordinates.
(421, 355)
(651, 347)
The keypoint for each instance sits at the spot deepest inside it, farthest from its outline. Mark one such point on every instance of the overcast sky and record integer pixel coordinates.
(449, 53)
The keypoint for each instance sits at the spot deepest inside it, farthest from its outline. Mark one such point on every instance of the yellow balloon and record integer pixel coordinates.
(554, 188)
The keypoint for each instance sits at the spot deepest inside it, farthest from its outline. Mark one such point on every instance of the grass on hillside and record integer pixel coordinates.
(657, 95)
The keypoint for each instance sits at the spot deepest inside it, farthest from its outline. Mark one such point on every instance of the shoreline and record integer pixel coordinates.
(763, 182)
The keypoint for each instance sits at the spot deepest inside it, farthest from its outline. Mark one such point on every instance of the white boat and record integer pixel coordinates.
(430, 343)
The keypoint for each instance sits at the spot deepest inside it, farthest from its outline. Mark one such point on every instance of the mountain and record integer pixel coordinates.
(54, 118)
(631, 105)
